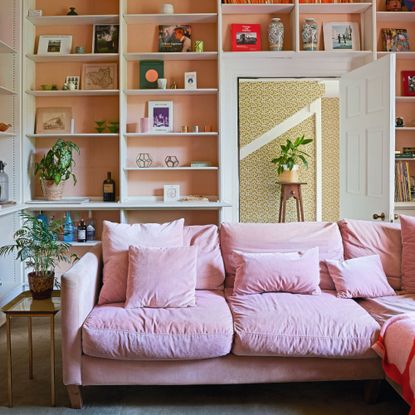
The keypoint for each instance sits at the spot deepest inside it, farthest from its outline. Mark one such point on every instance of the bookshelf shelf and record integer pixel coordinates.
(399, 55)
(74, 20)
(77, 135)
(144, 92)
(6, 91)
(257, 8)
(183, 18)
(334, 8)
(395, 16)
(173, 56)
(7, 134)
(5, 48)
(171, 169)
(213, 134)
(77, 93)
(74, 57)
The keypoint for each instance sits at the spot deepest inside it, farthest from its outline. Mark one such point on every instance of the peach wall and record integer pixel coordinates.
(180, 6)
(404, 139)
(407, 111)
(55, 8)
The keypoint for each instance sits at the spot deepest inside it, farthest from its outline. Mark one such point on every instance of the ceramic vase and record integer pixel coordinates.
(310, 34)
(276, 34)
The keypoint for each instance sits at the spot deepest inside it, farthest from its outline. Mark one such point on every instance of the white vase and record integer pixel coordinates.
(276, 34)
(289, 176)
(310, 34)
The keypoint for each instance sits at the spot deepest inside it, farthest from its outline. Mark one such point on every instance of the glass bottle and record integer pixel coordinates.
(81, 231)
(90, 228)
(4, 184)
(68, 228)
(109, 189)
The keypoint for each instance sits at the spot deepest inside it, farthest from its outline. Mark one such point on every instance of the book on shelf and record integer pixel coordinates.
(246, 37)
(175, 38)
(395, 40)
(404, 183)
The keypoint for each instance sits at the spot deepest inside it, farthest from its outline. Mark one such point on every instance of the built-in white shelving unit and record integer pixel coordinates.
(166, 19)
(74, 57)
(173, 56)
(200, 91)
(76, 93)
(74, 20)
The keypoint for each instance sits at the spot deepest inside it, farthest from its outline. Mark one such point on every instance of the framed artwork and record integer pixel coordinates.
(53, 120)
(161, 115)
(246, 37)
(408, 5)
(54, 45)
(341, 36)
(171, 193)
(105, 38)
(150, 73)
(175, 38)
(395, 40)
(408, 83)
(75, 80)
(190, 80)
(99, 76)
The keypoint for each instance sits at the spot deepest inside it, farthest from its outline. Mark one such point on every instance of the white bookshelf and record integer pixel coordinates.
(257, 8)
(395, 16)
(74, 20)
(7, 134)
(70, 136)
(405, 99)
(399, 55)
(167, 19)
(74, 57)
(167, 92)
(172, 56)
(76, 93)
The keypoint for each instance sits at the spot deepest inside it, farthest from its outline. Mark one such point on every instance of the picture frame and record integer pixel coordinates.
(150, 72)
(105, 38)
(54, 45)
(74, 79)
(408, 83)
(53, 120)
(171, 193)
(246, 37)
(341, 36)
(99, 76)
(161, 115)
(395, 40)
(190, 80)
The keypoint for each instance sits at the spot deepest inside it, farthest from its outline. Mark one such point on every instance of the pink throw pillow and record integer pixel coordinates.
(161, 277)
(117, 238)
(408, 253)
(361, 277)
(292, 272)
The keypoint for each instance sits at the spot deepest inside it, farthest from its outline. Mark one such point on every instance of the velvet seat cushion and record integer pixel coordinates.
(200, 332)
(296, 325)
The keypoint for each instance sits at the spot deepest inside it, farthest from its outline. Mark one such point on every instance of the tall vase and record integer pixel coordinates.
(310, 34)
(276, 34)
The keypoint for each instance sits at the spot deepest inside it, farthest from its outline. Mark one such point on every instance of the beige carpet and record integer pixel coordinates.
(32, 397)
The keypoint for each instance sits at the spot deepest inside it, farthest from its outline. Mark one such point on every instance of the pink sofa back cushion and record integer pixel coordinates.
(282, 237)
(161, 277)
(210, 268)
(364, 238)
(293, 272)
(361, 277)
(116, 240)
(408, 253)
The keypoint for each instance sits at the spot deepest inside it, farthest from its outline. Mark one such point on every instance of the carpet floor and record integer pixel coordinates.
(31, 397)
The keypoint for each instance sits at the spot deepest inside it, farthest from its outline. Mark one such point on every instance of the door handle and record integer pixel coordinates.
(382, 216)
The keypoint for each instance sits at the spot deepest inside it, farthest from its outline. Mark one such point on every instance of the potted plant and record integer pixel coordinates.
(37, 246)
(55, 168)
(287, 162)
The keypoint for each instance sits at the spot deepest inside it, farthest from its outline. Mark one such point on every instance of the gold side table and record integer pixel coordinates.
(24, 306)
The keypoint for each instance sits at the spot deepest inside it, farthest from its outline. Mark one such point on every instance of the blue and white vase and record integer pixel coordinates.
(310, 34)
(276, 34)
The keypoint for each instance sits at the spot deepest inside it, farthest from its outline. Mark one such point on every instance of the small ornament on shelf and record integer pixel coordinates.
(190, 80)
(173, 84)
(162, 83)
(276, 34)
(310, 34)
(4, 127)
(145, 124)
(199, 46)
(393, 5)
(101, 125)
(400, 122)
(144, 160)
(114, 127)
(72, 12)
(171, 161)
(171, 192)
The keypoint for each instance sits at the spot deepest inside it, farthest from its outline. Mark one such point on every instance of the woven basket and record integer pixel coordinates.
(51, 190)
(41, 287)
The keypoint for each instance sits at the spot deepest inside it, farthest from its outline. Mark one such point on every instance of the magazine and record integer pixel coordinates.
(176, 38)
(395, 40)
(246, 37)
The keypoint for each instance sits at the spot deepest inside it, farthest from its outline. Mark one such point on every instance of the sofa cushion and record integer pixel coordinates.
(117, 238)
(282, 237)
(363, 238)
(201, 332)
(408, 253)
(210, 268)
(295, 325)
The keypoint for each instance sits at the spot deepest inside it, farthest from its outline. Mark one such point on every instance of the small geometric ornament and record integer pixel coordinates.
(144, 160)
(150, 72)
(171, 161)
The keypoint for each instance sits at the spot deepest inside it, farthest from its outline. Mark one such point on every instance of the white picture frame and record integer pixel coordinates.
(190, 80)
(53, 120)
(99, 76)
(54, 45)
(161, 116)
(75, 79)
(341, 36)
(171, 193)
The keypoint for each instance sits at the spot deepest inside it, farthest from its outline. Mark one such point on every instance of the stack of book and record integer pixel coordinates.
(403, 183)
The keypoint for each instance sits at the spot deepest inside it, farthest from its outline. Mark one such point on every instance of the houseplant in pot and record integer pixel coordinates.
(55, 168)
(287, 163)
(36, 244)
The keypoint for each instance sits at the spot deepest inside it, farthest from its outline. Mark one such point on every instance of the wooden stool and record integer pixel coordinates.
(289, 190)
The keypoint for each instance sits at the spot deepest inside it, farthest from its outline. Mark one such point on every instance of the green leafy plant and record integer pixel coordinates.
(58, 162)
(37, 246)
(291, 154)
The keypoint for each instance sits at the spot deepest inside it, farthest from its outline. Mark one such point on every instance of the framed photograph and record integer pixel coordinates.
(395, 40)
(408, 83)
(161, 115)
(175, 38)
(54, 45)
(408, 6)
(171, 193)
(246, 37)
(99, 76)
(105, 38)
(190, 80)
(341, 36)
(74, 80)
(53, 120)
(150, 73)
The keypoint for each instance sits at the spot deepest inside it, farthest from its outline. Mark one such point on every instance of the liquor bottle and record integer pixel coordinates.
(82, 231)
(4, 184)
(41, 217)
(68, 228)
(109, 189)
(90, 228)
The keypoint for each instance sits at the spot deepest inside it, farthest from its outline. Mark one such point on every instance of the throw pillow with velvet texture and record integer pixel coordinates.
(361, 277)
(408, 253)
(161, 277)
(291, 272)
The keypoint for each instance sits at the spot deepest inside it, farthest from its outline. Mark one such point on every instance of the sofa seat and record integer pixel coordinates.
(200, 332)
(294, 325)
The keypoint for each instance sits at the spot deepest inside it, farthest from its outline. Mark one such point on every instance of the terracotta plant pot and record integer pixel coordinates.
(51, 190)
(41, 286)
(289, 176)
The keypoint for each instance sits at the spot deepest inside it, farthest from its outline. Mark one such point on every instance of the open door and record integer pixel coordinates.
(367, 141)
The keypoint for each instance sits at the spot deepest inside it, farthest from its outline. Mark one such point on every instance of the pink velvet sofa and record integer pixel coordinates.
(226, 338)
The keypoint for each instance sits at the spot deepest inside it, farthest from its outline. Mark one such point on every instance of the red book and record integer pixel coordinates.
(246, 37)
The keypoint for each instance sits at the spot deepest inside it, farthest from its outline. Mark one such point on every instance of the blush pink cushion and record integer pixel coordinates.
(295, 272)
(361, 277)
(161, 277)
(408, 253)
(117, 238)
(364, 238)
(282, 237)
(201, 332)
(295, 325)
(210, 268)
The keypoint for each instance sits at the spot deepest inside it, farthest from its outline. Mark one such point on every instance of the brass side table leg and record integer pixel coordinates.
(30, 340)
(52, 360)
(9, 360)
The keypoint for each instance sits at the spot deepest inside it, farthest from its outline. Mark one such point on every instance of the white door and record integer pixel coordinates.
(367, 141)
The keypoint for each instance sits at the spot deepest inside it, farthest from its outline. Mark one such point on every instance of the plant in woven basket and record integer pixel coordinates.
(36, 244)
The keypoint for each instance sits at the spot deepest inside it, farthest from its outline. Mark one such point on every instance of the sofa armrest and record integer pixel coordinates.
(79, 293)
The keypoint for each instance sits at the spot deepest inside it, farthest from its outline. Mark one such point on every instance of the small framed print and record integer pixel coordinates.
(74, 80)
(52, 120)
(342, 36)
(408, 83)
(105, 38)
(171, 193)
(99, 76)
(161, 115)
(190, 80)
(54, 45)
